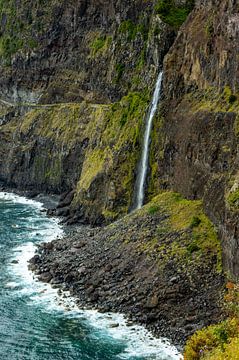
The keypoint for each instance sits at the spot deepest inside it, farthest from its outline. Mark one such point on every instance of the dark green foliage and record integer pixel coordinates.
(123, 120)
(193, 247)
(195, 221)
(119, 71)
(131, 29)
(232, 99)
(171, 13)
(222, 334)
(153, 210)
(10, 45)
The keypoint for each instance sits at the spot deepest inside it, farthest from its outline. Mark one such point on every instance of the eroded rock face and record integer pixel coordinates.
(81, 49)
(59, 129)
(199, 147)
(93, 53)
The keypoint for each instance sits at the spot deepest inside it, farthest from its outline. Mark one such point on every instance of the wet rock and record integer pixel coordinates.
(14, 262)
(45, 277)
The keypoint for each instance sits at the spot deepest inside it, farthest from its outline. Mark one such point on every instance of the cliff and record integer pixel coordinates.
(199, 119)
(76, 80)
(76, 83)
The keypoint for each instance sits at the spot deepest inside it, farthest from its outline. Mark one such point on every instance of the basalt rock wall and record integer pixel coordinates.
(76, 82)
(195, 146)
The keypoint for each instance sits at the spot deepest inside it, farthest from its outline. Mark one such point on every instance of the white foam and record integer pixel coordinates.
(139, 342)
(16, 199)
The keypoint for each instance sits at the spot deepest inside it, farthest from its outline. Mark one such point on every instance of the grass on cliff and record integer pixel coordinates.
(100, 45)
(21, 25)
(194, 235)
(117, 134)
(172, 14)
(215, 342)
(131, 30)
(220, 341)
(225, 101)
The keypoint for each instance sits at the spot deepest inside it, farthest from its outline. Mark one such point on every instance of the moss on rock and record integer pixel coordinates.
(198, 238)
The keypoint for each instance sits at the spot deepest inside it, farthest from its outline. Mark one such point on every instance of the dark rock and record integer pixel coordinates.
(45, 277)
(152, 302)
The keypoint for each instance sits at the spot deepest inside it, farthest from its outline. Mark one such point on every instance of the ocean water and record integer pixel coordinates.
(35, 322)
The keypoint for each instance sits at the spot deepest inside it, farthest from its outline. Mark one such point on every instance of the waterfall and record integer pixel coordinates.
(143, 166)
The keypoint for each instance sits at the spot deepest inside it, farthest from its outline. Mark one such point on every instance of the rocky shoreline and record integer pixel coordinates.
(126, 267)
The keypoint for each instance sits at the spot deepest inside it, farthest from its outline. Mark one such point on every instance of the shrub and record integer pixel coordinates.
(173, 14)
(153, 209)
(209, 339)
(119, 71)
(193, 247)
(232, 99)
(195, 221)
(98, 44)
(233, 199)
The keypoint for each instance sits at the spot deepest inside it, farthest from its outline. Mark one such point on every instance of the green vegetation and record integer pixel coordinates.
(198, 238)
(232, 98)
(117, 134)
(195, 221)
(221, 341)
(173, 14)
(119, 68)
(212, 100)
(22, 25)
(10, 45)
(131, 30)
(100, 45)
(153, 210)
(210, 343)
(233, 199)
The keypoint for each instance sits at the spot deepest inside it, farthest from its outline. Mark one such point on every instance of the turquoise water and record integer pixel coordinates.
(35, 323)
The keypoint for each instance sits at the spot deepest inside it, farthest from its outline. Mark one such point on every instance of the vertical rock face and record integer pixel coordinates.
(68, 50)
(199, 118)
(76, 81)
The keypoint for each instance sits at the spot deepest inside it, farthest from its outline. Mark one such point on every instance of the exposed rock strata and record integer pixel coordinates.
(59, 128)
(195, 148)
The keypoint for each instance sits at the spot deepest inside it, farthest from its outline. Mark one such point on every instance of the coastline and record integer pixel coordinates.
(114, 323)
(108, 270)
(100, 274)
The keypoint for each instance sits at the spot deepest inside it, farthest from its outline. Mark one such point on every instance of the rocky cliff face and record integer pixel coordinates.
(65, 51)
(76, 83)
(199, 118)
(75, 86)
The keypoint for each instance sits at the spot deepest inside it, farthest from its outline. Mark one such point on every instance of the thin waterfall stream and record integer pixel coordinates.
(143, 166)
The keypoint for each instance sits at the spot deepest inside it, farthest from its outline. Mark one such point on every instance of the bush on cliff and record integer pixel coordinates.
(214, 337)
(173, 14)
(221, 341)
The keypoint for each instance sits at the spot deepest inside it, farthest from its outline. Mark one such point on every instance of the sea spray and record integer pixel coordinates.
(143, 166)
